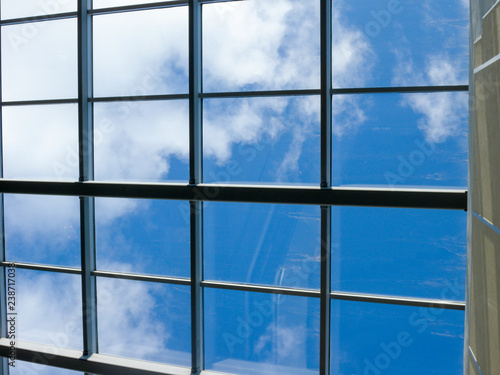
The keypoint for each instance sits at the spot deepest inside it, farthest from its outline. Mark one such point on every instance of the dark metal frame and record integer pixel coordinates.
(196, 192)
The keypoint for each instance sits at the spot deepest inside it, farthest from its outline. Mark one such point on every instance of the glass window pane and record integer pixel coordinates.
(145, 321)
(49, 308)
(261, 45)
(400, 43)
(98, 4)
(42, 229)
(31, 8)
(142, 141)
(39, 60)
(30, 368)
(141, 53)
(402, 252)
(143, 236)
(262, 244)
(400, 139)
(369, 338)
(254, 333)
(41, 142)
(262, 140)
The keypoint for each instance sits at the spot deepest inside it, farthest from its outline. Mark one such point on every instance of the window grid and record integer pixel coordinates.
(196, 192)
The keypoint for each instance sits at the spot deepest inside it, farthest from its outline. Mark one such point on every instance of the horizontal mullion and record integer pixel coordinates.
(95, 364)
(373, 197)
(299, 292)
(40, 18)
(42, 267)
(139, 98)
(403, 89)
(138, 277)
(39, 102)
(137, 7)
(270, 93)
(403, 301)
(359, 297)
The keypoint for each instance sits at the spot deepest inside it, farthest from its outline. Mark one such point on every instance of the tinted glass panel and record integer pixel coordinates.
(261, 45)
(263, 244)
(254, 333)
(143, 236)
(400, 139)
(403, 252)
(262, 140)
(141, 53)
(129, 311)
(49, 308)
(42, 229)
(369, 338)
(30, 8)
(400, 43)
(39, 60)
(41, 142)
(142, 141)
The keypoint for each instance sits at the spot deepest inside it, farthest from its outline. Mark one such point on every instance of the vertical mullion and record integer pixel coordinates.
(195, 102)
(196, 177)
(326, 181)
(86, 167)
(197, 339)
(326, 93)
(4, 368)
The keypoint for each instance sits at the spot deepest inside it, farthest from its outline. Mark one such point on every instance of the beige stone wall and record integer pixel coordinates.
(484, 256)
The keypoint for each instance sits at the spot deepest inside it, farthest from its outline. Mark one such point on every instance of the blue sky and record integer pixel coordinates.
(402, 140)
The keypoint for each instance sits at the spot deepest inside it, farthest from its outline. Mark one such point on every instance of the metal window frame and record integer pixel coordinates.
(196, 193)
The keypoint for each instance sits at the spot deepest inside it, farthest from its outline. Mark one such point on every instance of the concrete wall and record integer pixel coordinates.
(483, 343)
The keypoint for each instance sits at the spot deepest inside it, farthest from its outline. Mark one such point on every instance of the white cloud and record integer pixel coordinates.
(41, 220)
(442, 114)
(49, 309)
(29, 8)
(53, 45)
(41, 142)
(141, 53)
(353, 60)
(144, 136)
(261, 44)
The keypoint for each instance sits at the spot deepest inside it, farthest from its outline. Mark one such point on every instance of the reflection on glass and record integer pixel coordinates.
(399, 43)
(262, 140)
(30, 8)
(142, 141)
(146, 321)
(39, 60)
(369, 338)
(141, 53)
(254, 333)
(49, 308)
(400, 139)
(143, 236)
(41, 142)
(402, 252)
(262, 244)
(42, 229)
(261, 45)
